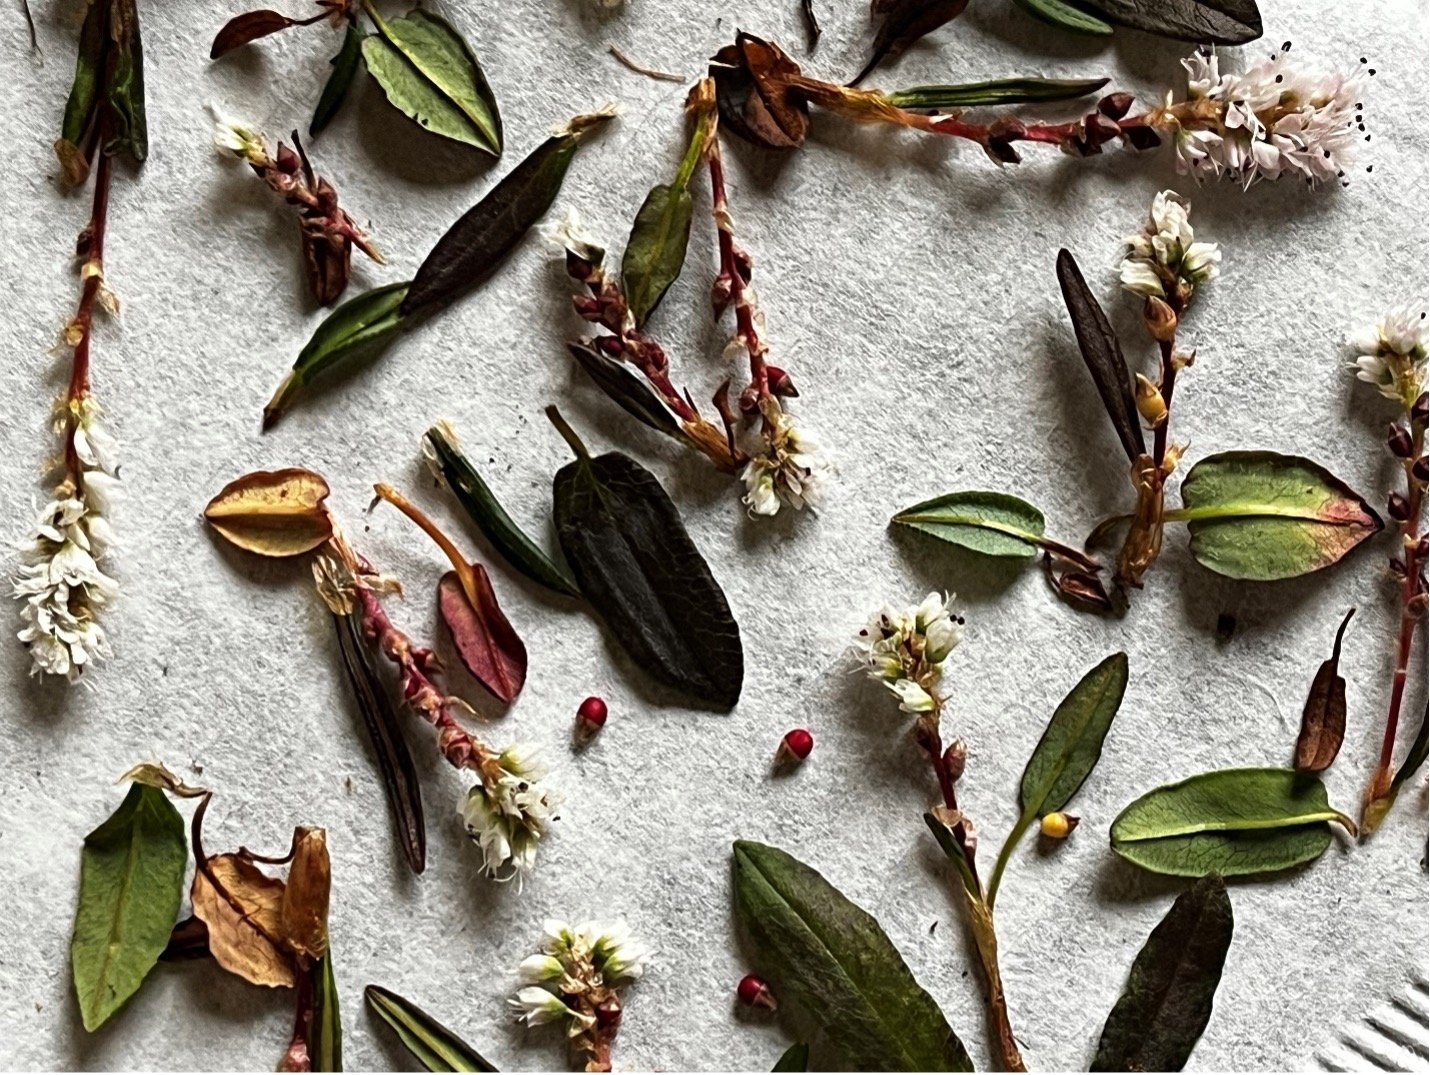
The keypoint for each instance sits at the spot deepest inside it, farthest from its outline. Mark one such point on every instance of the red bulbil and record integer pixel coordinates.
(591, 716)
(755, 993)
(795, 746)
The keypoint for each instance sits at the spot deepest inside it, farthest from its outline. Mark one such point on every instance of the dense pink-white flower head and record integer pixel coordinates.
(1165, 259)
(1392, 353)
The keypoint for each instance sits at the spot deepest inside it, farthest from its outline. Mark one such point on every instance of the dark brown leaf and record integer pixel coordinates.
(485, 639)
(250, 26)
(1103, 355)
(1323, 721)
(904, 22)
(1218, 22)
(753, 89)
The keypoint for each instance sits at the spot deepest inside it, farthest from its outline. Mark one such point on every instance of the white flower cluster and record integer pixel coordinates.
(60, 585)
(1164, 259)
(573, 961)
(906, 650)
(509, 811)
(789, 470)
(1276, 119)
(1391, 355)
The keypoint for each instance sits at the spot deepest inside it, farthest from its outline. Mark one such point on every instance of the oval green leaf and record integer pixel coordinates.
(1265, 516)
(359, 326)
(131, 883)
(993, 524)
(340, 80)
(1065, 17)
(832, 960)
(1168, 998)
(433, 1046)
(655, 252)
(1002, 91)
(1232, 822)
(431, 75)
(1218, 22)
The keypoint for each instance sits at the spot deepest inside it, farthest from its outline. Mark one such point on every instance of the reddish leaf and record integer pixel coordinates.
(754, 88)
(484, 637)
(249, 26)
(1323, 721)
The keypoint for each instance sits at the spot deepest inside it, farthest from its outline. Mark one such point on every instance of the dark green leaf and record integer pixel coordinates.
(476, 244)
(994, 524)
(1232, 822)
(1168, 998)
(903, 23)
(482, 507)
(130, 130)
(1323, 719)
(1065, 16)
(1002, 91)
(634, 562)
(655, 252)
(325, 1032)
(1217, 22)
(1103, 355)
(795, 1058)
(340, 80)
(434, 1046)
(1415, 758)
(622, 384)
(1266, 516)
(432, 76)
(384, 730)
(84, 94)
(108, 84)
(358, 327)
(832, 961)
(130, 886)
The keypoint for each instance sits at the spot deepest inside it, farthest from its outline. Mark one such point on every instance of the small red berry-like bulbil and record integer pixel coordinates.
(795, 746)
(591, 714)
(754, 992)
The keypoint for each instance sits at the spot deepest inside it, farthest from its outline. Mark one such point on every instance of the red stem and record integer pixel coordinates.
(93, 276)
(1409, 590)
(732, 276)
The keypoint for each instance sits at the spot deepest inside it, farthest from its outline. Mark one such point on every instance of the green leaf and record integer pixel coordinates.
(109, 84)
(1001, 91)
(1419, 749)
(325, 1032)
(358, 327)
(994, 524)
(633, 392)
(1063, 15)
(1168, 998)
(440, 447)
(1265, 516)
(795, 1058)
(130, 886)
(635, 563)
(655, 252)
(431, 75)
(832, 961)
(1065, 755)
(1232, 822)
(473, 247)
(340, 80)
(434, 1046)
(1218, 22)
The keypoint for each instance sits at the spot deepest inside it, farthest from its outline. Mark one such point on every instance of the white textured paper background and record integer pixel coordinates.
(909, 289)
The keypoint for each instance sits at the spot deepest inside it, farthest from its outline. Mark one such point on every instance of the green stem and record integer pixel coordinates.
(693, 152)
(567, 433)
(1014, 835)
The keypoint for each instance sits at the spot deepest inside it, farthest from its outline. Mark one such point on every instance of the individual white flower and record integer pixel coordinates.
(540, 968)
(537, 1006)
(1278, 118)
(1392, 354)
(912, 697)
(789, 469)
(569, 233)
(906, 649)
(1165, 259)
(616, 953)
(509, 811)
(238, 139)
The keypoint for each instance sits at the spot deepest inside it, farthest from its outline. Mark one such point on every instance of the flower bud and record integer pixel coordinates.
(1420, 469)
(1098, 129)
(794, 747)
(1150, 404)
(955, 759)
(612, 345)
(780, 383)
(608, 1014)
(577, 267)
(1399, 442)
(1115, 105)
(1420, 413)
(1142, 136)
(1058, 825)
(754, 992)
(1160, 319)
(1398, 507)
(590, 717)
(287, 161)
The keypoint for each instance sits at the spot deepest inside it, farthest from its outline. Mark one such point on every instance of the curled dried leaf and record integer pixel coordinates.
(274, 513)
(304, 913)
(157, 776)
(754, 89)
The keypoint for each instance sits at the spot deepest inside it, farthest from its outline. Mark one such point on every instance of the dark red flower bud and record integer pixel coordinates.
(287, 161)
(750, 400)
(1115, 105)
(1420, 413)
(1398, 507)
(1141, 136)
(795, 746)
(753, 992)
(612, 345)
(955, 759)
(577, 267)
(780, 382)
(1420, 470)
(1099, 130)
(1399, 442)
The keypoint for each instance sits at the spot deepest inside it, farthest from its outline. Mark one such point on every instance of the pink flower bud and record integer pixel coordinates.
(753, 992)
(795, 746)
(780, 383)
(590, 716)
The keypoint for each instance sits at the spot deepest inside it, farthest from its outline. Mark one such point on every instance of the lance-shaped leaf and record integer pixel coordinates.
(1265, 516)
(1065, 16)
(358, 327)
(1103, 355)
(325, 1027)
(130, 886)
(627, 388)
(1218, 22)
(273, 512)
(250, 26)
(993, 524)
(340, 79)
(432, 76)
(754, 95)
(109, 84)
(475, 245)
(433, 1046)
(634, 562)
(1323, 720)
(456, 472)
(795, 1058)
(655, 252)
(1168, 998)
(1001, 91)
(904, 22)
(832, 961)
(394, 760)
(1065, 755)
(1232, 822)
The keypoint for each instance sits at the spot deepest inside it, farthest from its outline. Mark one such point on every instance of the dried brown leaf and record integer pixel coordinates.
(754, 87)
(250, 26)
(485, 639)
(274, 513)
(1323, 721)
(304, 916)
(243, 910)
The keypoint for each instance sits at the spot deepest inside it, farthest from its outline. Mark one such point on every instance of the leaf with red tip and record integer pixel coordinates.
(484, 637)
(250, 26)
